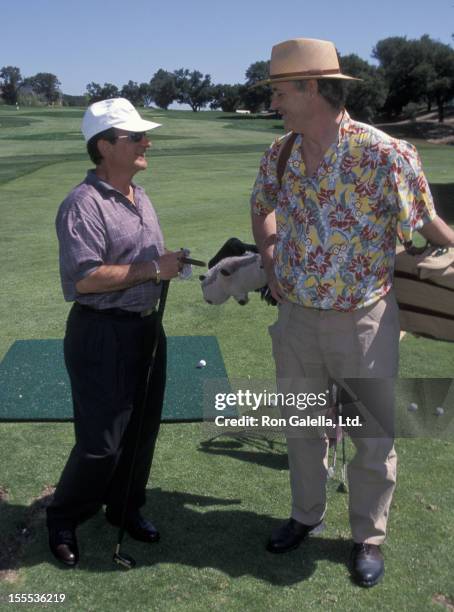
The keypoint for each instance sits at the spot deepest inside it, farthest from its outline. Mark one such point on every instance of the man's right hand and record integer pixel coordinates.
(170, 264)
(264, 230)
(275, 288)
(122, 276)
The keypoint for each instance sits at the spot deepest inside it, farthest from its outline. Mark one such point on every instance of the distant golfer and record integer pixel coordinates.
(327, 234)
(112, 261)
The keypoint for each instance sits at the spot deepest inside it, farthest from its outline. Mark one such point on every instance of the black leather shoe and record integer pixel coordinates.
(289, 536)
(367, 564)
(136, 526)
(63, 545)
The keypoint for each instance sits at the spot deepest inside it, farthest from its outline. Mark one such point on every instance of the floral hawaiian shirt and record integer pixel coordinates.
(337, 229)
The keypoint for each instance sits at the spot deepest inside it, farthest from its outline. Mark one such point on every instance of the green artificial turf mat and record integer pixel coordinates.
(34, 385)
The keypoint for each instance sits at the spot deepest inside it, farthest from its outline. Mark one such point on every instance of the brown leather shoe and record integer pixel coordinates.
(289, 536)
(367, 564)
(136, 526)
(63, 545)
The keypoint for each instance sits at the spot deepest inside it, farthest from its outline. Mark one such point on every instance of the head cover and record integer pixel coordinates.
(304, 58)
(115, 112)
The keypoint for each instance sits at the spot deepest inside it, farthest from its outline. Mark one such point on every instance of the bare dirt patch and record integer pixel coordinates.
(424, 127)
(13, 544)
(444, 601)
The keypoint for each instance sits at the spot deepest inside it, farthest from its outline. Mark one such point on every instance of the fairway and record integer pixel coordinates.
(214, 501)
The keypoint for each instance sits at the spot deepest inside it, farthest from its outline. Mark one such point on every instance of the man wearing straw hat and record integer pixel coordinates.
(326, 227)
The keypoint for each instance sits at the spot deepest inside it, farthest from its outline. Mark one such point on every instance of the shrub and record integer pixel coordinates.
(31, 99)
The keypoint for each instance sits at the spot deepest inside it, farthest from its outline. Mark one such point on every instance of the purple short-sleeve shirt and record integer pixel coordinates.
(96, 225)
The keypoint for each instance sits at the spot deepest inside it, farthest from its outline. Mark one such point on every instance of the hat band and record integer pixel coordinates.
(305, 73)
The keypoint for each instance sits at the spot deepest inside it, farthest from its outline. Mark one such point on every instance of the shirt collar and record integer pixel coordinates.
(345, 125)
(93, 179)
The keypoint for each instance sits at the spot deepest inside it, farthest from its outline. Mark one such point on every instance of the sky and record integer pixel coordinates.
(118, 41)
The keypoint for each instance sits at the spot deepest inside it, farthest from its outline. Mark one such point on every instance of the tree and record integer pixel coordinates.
(193, 88)
(416, 70)
(47, 85)
(68, 100)
(96, 93)
(93, 92)
(258, 71)
(145, 94)
(139, 95)
(109, 91)
(131, 92)
(256, 98)
(440, 73)
(11, 83)
(365, 97)
(162, 88)
(226, 97)
(399, 59)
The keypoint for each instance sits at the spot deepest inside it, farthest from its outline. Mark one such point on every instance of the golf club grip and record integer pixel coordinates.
(159, 316)
(162, 299)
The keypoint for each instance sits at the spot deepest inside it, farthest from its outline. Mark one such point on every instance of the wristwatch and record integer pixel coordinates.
(157, 278)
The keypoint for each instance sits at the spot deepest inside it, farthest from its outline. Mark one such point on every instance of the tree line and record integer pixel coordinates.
(43, 86)
(409, 74)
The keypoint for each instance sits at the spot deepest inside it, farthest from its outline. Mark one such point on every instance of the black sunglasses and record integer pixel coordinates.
(132, 136)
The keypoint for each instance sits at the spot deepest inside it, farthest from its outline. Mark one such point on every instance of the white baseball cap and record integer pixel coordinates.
(115, 112)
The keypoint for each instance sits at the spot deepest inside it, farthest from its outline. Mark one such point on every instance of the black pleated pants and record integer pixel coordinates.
(107, 357)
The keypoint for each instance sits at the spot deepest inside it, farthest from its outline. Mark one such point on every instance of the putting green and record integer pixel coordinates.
(34, 385)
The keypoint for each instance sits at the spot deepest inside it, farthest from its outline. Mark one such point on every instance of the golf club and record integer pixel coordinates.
(120, 558)
(193, 262)
(333, 441)
(342, 488)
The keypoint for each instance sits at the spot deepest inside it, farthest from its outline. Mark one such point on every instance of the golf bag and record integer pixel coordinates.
(424, 287)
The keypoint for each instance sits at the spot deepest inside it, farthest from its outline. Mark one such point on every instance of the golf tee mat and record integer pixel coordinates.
(34, 384)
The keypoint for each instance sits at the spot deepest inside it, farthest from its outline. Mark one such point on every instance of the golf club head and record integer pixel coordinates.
(124, 560)
(342, 488)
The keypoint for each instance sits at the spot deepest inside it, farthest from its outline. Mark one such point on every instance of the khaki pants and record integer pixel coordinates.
(312, 346)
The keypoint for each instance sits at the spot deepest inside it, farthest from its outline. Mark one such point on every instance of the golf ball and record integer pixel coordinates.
(413, 407)
(202, 363)
(439, 411)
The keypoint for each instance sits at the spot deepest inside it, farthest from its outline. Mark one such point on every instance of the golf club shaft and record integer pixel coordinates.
(142, 408)
(343, 447)
(193, 262)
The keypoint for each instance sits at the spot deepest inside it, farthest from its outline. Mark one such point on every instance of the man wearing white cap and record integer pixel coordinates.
(112, 261)
(327, 205)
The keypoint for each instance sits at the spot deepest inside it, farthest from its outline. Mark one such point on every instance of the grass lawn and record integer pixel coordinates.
(215, 501)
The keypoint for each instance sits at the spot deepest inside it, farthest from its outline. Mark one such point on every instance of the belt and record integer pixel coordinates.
(115, 312)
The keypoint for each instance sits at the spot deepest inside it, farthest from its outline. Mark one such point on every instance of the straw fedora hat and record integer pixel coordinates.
(304, 58)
